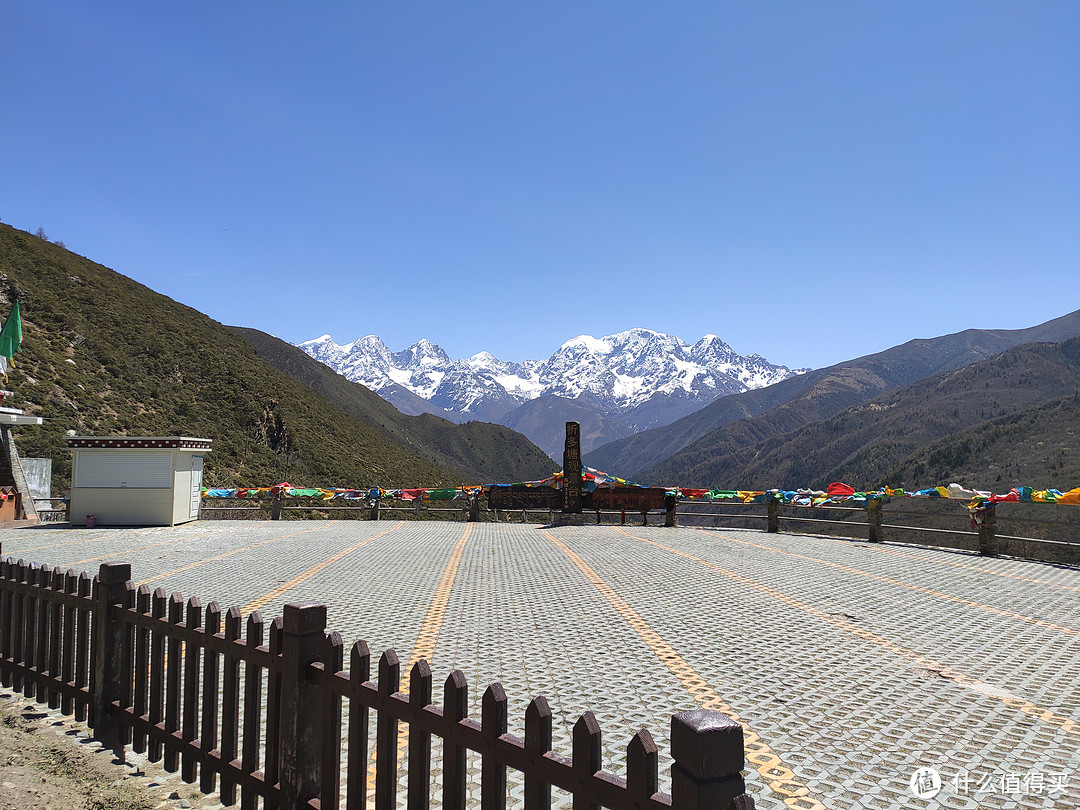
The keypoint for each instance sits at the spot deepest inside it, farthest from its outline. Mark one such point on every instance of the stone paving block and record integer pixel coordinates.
(854, 664)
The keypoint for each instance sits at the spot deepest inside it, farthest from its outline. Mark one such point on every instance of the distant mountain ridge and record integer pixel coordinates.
(625, 382)
(732, 424)
(478, 451)
(884, 440)
(104, 355)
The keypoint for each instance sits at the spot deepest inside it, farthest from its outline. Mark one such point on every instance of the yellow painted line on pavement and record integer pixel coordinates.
(426, 639)
(1045, 625)
(432, 625)
(1067, 724)
(885, 550)
(228, 554)
(772, 769)
(285, 587)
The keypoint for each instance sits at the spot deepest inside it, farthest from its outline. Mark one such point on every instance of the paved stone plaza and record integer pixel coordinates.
(850, 665)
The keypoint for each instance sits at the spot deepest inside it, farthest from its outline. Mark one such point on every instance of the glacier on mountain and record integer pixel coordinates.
(614, 374)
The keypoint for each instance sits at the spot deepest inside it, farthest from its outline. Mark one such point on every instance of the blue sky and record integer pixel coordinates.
(810, 181)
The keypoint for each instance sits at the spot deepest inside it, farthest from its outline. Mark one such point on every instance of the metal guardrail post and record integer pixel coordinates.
(109, 634)
(708, 750)
(303, 643)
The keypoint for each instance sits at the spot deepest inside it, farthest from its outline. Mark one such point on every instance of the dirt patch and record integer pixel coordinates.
(51, 762)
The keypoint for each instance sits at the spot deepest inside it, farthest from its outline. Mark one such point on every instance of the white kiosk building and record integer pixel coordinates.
(136, 480)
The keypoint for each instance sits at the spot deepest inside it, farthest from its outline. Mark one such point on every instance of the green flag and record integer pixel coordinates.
(11, 334)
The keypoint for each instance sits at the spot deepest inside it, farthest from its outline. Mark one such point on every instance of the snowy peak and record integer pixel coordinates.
(616, 374)
(422, 355)
(587, 344)
(712, 350)
(627, 369)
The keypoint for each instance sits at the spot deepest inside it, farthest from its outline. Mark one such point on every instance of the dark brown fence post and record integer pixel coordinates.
(18, 627)
(670, 505)
(67, 659)
(772, 506)
(7, 615)
(588, 752)
(359, 673)
(642, 768)
(374, 508)
(303, 642)
(230, 701)
(333, 663)
(189, 709)
(708, 751)
(30, 626)
(56, 634)
(493, 722)
(110, 681)
(253, 692)
(986, 522)
(456, 709)
(873, 519)
(211, 697)
(386, 730)
(420, 689)
(537, 744)
(85, 587)
(276, 503)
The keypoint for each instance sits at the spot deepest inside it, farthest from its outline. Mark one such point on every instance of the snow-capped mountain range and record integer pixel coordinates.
(635, 379)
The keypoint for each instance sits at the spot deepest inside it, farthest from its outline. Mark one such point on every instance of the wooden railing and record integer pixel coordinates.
(1032, 531)
(1015, 529)
(258, 716)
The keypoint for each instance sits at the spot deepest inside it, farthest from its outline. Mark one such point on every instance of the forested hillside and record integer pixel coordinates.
(743, 421)
(981, 422)
(482, 452)
(103, 354)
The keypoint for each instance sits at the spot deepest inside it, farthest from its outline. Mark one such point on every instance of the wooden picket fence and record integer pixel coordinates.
(258, 715)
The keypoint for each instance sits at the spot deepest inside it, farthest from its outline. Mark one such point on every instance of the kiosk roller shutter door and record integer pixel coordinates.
(124, 469)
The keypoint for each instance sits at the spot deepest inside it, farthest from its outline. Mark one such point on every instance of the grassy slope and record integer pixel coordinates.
(479, 451)
(868, 444)
(812, 397)
(1034, 447)
(103, 354)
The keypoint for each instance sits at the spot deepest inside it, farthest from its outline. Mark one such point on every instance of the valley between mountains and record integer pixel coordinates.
(104, 355)
(613, 386)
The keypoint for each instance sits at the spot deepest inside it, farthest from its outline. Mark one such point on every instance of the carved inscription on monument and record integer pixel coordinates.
(572, 469)
(524, 498)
